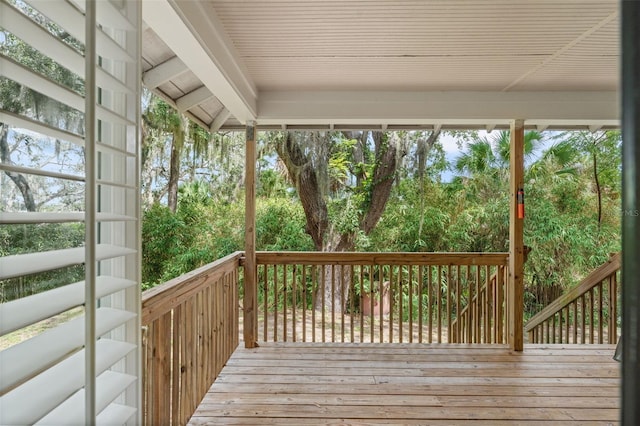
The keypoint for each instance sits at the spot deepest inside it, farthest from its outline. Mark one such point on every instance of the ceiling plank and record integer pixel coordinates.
(558, 54)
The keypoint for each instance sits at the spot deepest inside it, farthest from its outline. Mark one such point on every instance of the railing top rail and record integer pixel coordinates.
(381, 258)
(161, 299)
(610, 267)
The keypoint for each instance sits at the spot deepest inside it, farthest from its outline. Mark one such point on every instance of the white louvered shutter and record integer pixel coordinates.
(83, 364)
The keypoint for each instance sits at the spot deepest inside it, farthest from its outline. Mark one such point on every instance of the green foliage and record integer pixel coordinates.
(280, 225)
(162, 239)
(407, 228)
(470, 213)
(200, 232)
(270, 184)
(19, 239)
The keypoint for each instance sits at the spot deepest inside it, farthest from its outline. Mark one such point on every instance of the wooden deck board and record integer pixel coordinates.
(414, 384)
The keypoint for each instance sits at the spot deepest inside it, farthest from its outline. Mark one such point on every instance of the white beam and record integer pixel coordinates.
(164, 72)
(193, 98)
(220, 119)
(446, 108)
(197, 37)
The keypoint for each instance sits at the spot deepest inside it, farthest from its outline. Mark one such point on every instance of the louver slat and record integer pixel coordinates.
(71, 412)
(26, 77)
(115, 414)
(24, 264)
(21, 122)
(36, 36)
(29, 310)
(58, 217)
(72, 20)
(32, 400)
(24, 360)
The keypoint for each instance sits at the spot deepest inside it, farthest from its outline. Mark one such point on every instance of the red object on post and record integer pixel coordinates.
(520, 203)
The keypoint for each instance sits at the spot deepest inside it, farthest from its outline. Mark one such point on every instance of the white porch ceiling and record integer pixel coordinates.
(386, 63)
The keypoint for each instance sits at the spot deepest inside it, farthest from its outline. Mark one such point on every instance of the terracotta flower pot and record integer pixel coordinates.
(385, 306)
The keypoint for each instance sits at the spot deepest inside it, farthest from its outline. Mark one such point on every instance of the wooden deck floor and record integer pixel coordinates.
(299, 383)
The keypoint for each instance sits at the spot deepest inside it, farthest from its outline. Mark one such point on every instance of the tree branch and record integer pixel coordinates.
(17, 178)
(383, 177)
(303, 174)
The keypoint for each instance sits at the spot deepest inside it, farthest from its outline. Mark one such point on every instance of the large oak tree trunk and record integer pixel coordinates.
(334, 285)
(17, 178)
(303, 174)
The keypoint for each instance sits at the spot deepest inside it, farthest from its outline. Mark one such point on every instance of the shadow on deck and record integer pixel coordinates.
(315, 383)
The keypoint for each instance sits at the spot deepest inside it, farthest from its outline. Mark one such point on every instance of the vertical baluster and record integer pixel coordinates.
(304, 303)
(490, 306)
(449, 307)
(391, 299)
(458, 330)
(275, 303)
(477, 308)
(560, 319)
(362, 302)
(352, 295)
(285, 313)
(324, 302)
(381, 289)
(430, 305)
(485, 305)
(591, 310)
(411, 308)
(400, 290)
(500, 283)
(583, 324)
(575, 321)
(420, 297)
(600, 318)
(314, 300)
(175, 364)
(566, 324)
(333, 305)
(470, 302)
(294, 300)
(265, 315)
(613, 296)
(343, 304)
(372, 284)
(547, 332)
(438, 288)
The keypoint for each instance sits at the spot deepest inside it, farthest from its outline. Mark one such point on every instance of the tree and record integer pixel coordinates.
(27, 102)
(18, 179)
(161, 117)
(344, 181)
(603, 148)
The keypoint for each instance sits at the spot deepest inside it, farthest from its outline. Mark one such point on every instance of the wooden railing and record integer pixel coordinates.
(586, 314)
(481, 310)
(386, 297)
(190, 331)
